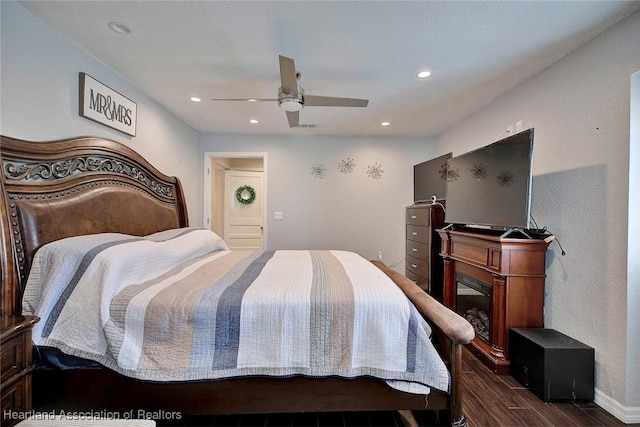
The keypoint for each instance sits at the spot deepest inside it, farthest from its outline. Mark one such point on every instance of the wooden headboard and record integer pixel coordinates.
(57, 189)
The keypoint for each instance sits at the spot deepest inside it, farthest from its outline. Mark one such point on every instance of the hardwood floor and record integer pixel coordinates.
(494, 400)
(489, 400)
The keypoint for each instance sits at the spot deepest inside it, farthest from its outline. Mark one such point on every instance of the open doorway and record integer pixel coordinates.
(234, 200)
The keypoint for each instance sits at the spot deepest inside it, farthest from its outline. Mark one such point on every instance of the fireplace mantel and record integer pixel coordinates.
(514, 269)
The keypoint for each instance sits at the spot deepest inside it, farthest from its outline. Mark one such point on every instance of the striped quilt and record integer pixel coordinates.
(178, 305)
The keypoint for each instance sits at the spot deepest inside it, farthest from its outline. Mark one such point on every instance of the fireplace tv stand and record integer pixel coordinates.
(512, 274)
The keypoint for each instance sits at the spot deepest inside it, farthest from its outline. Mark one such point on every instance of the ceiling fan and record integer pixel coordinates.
(291, 97)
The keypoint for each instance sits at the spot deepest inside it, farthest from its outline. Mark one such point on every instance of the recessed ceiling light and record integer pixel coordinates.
(385, 123)
(195, 99)
(253, 121)
(423, 74)
(119, 27)
(252, 100)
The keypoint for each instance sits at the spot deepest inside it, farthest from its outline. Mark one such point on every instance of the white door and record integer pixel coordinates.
(243, 221)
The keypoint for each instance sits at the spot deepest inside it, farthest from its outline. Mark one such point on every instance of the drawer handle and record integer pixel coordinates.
(413, 217)
(414, 249)
(414, 266)
(414, 233)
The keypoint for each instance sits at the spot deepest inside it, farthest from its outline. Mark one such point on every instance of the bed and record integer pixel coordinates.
(86, 188)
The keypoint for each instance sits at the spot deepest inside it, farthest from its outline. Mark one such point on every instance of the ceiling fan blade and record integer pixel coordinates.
(245, 99)
(288, 78)
(330, 101)
(294, 118)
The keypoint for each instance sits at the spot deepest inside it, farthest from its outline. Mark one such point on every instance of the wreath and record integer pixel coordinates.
(246, 194)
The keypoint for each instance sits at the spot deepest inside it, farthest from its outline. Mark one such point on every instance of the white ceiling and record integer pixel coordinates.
(475, 50)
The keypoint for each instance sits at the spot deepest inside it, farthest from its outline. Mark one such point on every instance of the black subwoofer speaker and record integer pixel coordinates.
(551, 364)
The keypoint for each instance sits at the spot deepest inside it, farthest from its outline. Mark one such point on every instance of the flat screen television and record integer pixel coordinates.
(430, 179)
(491, 187)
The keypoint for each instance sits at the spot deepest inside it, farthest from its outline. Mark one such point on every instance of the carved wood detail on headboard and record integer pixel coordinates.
(16, 170)
(57, 189)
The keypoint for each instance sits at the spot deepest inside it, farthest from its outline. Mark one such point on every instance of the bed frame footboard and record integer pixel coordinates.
(455, 329)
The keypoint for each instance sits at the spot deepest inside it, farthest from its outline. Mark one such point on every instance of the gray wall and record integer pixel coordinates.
(633, 257)
(580, 110)
(340, 211)
(39, 82)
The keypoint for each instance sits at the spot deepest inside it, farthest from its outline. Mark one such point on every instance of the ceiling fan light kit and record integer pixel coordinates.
(291, 102)
(291, 97)
(290, 106)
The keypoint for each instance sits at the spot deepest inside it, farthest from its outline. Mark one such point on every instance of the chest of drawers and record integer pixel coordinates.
(423, 263)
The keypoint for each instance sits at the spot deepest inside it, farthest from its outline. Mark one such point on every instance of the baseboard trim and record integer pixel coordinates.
(626, 414)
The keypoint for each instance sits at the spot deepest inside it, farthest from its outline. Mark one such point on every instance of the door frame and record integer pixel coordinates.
(206, 185)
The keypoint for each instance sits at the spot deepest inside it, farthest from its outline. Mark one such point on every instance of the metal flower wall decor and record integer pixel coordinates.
(443, 172)
(318, 170)
(375, 171)
(505, 178)
(346, 166)
(453, 174)
(479, 171)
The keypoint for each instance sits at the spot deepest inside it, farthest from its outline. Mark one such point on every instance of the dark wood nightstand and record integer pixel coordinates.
(17, 365)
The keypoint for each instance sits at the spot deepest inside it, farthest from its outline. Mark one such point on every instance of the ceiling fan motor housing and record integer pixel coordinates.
(289, 101)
